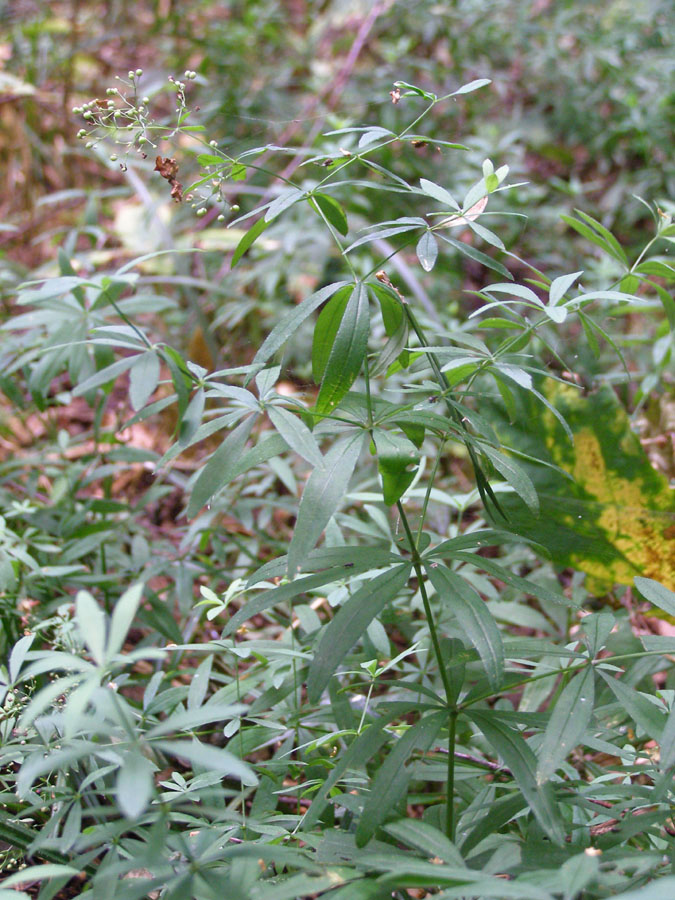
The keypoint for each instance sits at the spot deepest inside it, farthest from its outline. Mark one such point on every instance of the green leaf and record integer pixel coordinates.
(37, 873)
(560, 286)
(477, 256)
(122, 619)
(110, 373)
(296, 434)
(473, 616)
(248, 240)
(287, 198)
(366, 745)
(498, 814)
(427, 251)
(192, 417)
(568, 722)
(18, 655)
(597, 239)
(391, 782)
(291, 322)
(220, 469)
(189, 719)
(321, 498)
(395, 456)
(286, 592)
(91, 621)
(516, 753)
(600, 229)
(438, 193)
(143, 379)
(424, 837)
(656, 593)
(667, 743)
(333, 212)
(349, 624)
(210, 758)
(661, 889)
(526, 585)
(199, 684)
(325, 331)
(577, 873)
(347, 352)
(649, 717)
(472, 86)
(134, 785)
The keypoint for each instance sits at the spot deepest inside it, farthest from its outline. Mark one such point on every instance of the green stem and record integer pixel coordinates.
(450, 787)
(417, 565)
(447, 687)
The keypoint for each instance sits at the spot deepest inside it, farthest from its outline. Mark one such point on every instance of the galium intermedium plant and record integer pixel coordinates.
(347, 770)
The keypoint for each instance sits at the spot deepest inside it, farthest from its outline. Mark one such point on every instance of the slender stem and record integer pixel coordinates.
(427, 494)
(417, 565)
(450, 786)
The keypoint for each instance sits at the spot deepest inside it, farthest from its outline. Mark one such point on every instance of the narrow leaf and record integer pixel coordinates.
(91, 621)
(568, 722)
(518, 756)
(390, 784)
(516, 476)
(321, 498)
(656, 593)
(350, 622)
(291, 322)
(143, 379)
(560, 286)
(220, 469)
(424, 837)
(211, 758)
(333, 212)
(122, 619)
(473, 616)
(134, 785)
(642, 711)
(427, 251)
(296, 434)
(347, 352)
(248, 240)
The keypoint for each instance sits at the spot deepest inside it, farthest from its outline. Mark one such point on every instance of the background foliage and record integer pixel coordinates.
(336, 549)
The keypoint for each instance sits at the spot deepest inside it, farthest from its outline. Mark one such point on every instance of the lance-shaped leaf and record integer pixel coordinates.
(286, 592)
(134, 784)
(210, 758)
(657, 594)
(397, 459)
(291, 322)
(333, 212)
(321, 498)
(296, 434)
(473, 617)
(350, 622)
(143, 379)
(511, 746)
(220, 469)
(122, 619)
(248, 240)
(359, 752)
(347, 351)
(91, 621)
(391, 782)
(427, 251)
(568, 722)
(642, 711)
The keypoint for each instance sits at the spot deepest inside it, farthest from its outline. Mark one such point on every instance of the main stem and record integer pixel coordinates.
(447, 687)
